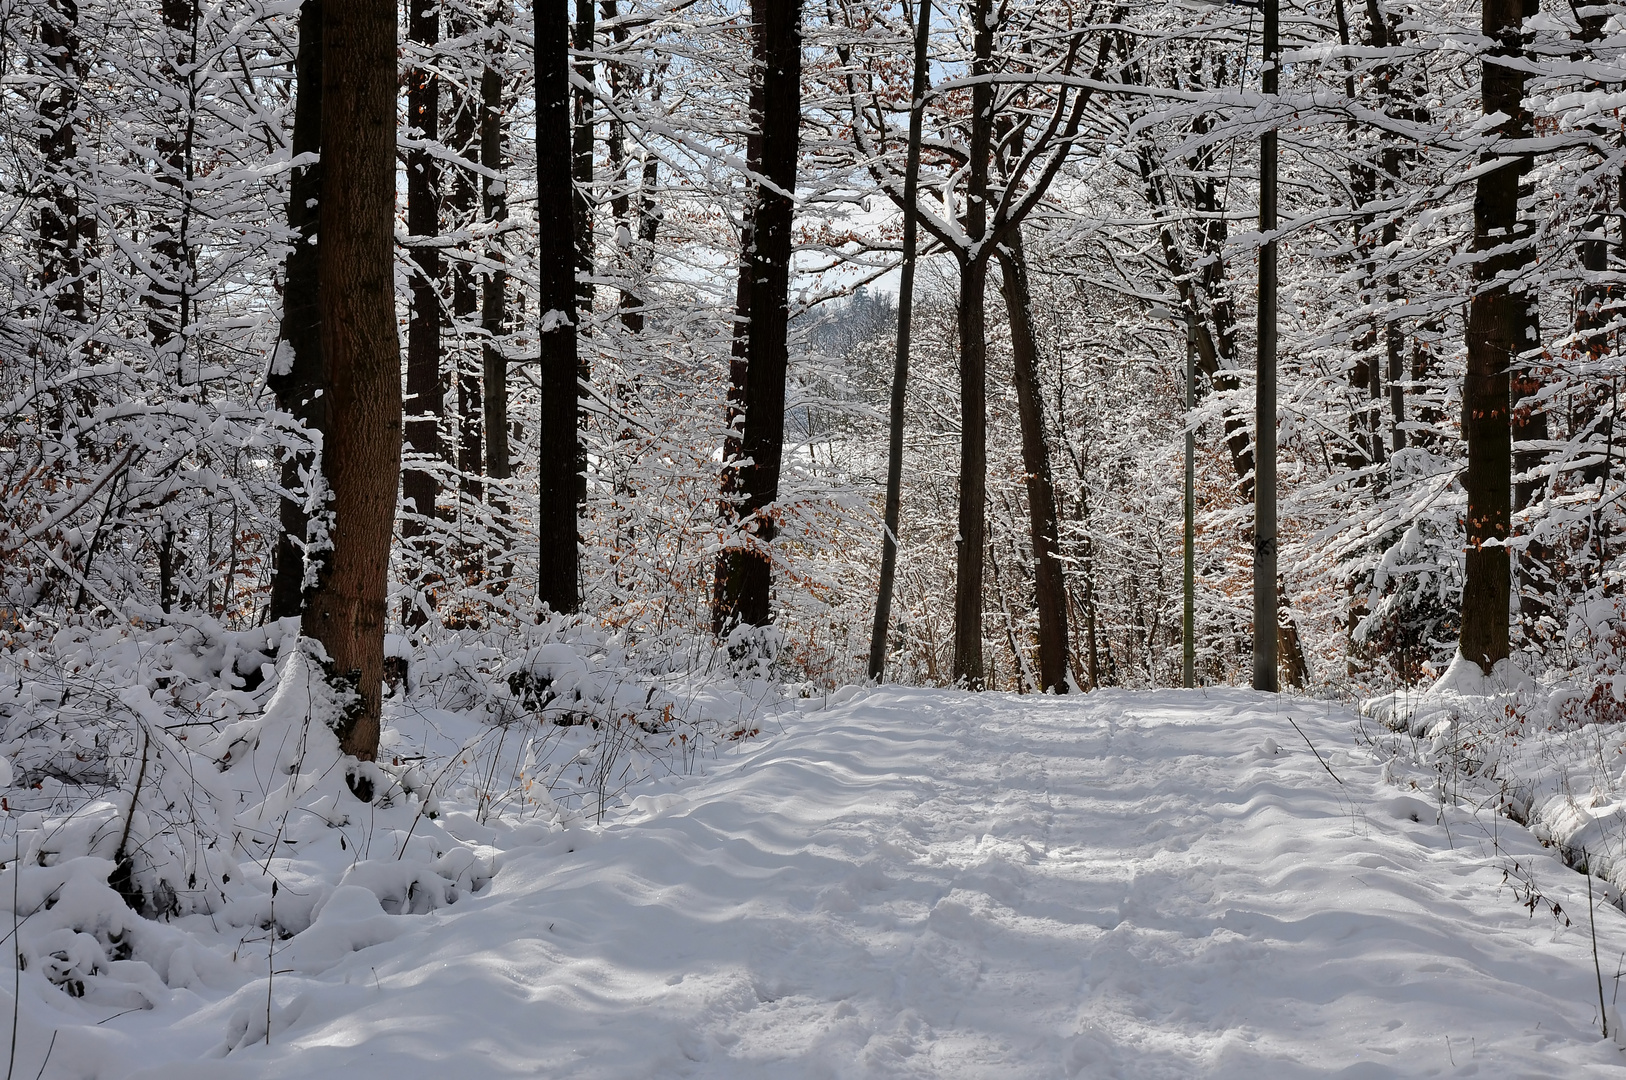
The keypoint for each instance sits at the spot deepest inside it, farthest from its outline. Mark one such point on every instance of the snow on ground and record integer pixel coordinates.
(924, 883)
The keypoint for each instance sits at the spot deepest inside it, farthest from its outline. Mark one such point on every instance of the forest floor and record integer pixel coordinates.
(923, 883)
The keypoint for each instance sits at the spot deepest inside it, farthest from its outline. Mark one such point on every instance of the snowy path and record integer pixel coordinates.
(930, 884)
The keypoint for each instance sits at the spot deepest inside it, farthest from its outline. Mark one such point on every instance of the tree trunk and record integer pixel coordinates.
(168, 290)
(746, 592)
(649, 223)
(296, 373)
(559, 557)
(582, 173)
(62, 230)
(425, 403)
(465, 110)
(1498, 319)
(361, 456)
(494, 298)
(582, 156)
(892, 510)
(968, 668)
(1049, 585)
(730, 562)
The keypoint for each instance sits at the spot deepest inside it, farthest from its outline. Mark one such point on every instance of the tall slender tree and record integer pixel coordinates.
(463, 207)
(745, 584)
(1501, 325)
(581, 170)
(900, 360)
(425, 402)
(494, 291)
(559, 555)
(361, 451)
(986, 210)
(1049, 583)
(296, 370)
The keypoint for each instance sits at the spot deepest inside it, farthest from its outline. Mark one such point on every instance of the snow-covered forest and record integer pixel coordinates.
(461, 461)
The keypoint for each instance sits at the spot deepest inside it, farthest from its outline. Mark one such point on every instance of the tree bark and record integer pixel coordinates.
(463, 207)
(425, 403)
(1498, 319)
(296, 373)
(745, 583)
(361, 455)
(168, 290)
(582, 173)
(559, 556)
(62, 228)
(892, 510)
(494, 293)
(1049, 583)
(968, 666)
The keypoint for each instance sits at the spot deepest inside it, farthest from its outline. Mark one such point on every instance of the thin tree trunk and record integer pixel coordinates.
(494, 306)
(1049, 584)
(361, 455)
(747, 592)
(1498, 319)
(494, 298)
(559, 556)
(968, 667)
(582, 173)
(730, 565)
(582, 155)
(649, 223)
(900, 361)
(62, 229)
(462, 208)
(168, 291)
(296, 373)
(425, 402)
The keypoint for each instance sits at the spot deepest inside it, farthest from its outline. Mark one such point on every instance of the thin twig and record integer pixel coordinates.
(48, 1050)
(1592, 923)
(1314, 751)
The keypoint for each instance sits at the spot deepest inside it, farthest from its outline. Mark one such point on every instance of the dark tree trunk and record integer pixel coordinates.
(62, 230)
(968, 667)
(1049, 584)
(1498, 322)
(559, 557)
(746, 589)
(581, 140)
(425, 401)
(649, 223)
(361, 455)
(494, 299)
(296, 374)
(893, 508)
(582, 172)
(634, 226)
(463, 208)
(1595, 303)
(168, 290)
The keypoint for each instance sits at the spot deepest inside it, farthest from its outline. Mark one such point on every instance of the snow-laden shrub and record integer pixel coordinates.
(155, 802)
(176, 803)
